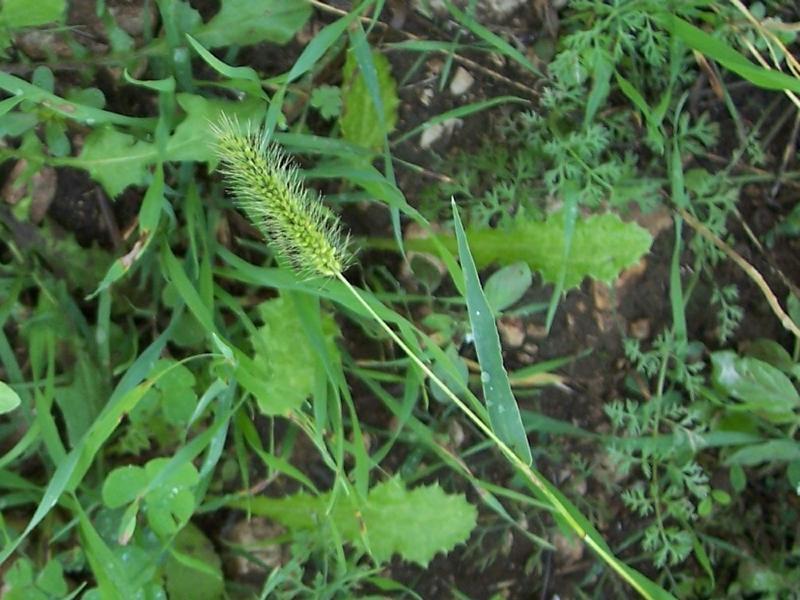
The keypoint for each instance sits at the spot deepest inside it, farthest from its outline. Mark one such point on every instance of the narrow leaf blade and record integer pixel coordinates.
(504, 415)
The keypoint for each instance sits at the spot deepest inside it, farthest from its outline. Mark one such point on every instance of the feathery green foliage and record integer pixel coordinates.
(269, 191)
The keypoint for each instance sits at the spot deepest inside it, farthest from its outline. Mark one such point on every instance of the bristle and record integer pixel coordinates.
(268, 190)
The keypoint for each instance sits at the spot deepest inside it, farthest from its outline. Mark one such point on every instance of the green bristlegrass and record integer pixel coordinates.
(268, 190)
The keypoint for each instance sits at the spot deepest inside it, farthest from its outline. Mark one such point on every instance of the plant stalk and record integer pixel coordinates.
(535, 478)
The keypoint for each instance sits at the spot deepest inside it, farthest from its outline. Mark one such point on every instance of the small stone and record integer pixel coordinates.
(131, 17)
(536, 331)
(434, 67)
(511, 331)
(656, 221)
(531, 349)
(500, 9)
(631, 273)
(461, 82)
(433, 133)
(601, 296)
(456, 433)
(605, 469)
(39, 44)
(640, 329)
(568, 548)
(426, 96)
(579, 486)
(250, 534)
(571, 321)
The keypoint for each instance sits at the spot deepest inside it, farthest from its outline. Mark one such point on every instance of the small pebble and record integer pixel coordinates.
(434, 132)
(511, 331)
(461, 82)
(640, 329)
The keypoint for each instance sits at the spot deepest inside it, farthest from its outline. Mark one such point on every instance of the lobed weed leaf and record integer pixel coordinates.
(115, 159)
(243, 22)
(417, 524)
(602, 246)
(288, 371)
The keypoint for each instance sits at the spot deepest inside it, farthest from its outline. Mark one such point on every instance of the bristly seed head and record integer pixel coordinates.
(268, 190)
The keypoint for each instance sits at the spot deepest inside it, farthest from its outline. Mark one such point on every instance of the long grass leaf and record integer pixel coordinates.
(699, 40)
(500, 402)
(499, 44)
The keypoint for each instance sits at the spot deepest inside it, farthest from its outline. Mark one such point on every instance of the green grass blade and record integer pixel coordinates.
(246, 73)
(109, 571)
(70, 110)
(500, 402)
(494, 40)
(678, 187)
(311, 54)
(187, 291)
(571, 198)
(366, 65)
(461, 111)
(699, 40)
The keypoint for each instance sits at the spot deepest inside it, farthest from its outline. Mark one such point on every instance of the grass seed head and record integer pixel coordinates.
(268, 190)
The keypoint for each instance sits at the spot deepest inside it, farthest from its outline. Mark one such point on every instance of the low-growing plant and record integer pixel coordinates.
(267, 190)
(191, 412)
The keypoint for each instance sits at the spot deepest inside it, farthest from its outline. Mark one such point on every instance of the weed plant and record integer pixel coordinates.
(193, 414)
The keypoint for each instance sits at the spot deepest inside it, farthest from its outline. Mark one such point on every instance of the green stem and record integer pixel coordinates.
(535, 478)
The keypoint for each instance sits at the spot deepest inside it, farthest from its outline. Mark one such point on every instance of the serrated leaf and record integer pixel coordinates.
(416, 524)
(243, 22)
(602, 246)
(359, 120)
(328, 100)
(285, 361)
(193, 139)
(115, 159)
